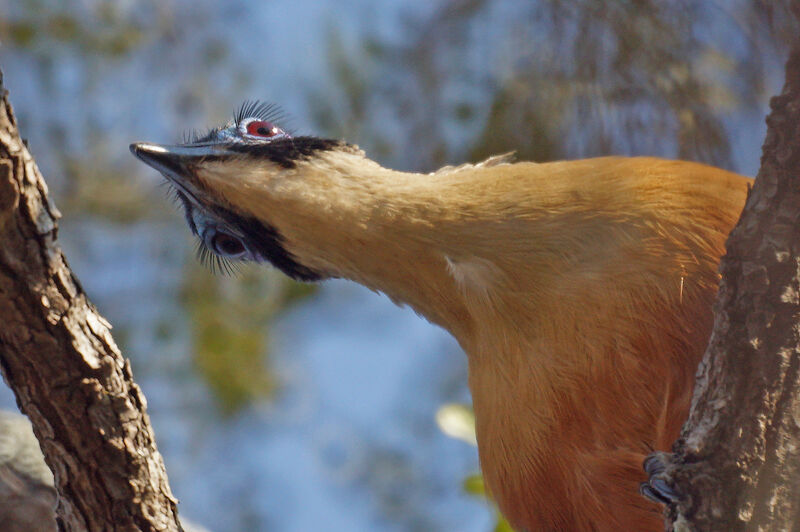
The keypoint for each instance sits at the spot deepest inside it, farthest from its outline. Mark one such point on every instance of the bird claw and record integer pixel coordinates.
(657, 487)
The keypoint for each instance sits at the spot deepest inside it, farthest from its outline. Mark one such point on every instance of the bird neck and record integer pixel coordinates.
(449, 243)
(518, 249)
(379, 227)
(460, 245)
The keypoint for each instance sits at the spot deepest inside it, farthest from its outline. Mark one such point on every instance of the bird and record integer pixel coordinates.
(581, 291)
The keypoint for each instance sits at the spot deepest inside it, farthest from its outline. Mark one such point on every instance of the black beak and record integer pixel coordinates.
(178, 163)
(162, 158)
(174, 161)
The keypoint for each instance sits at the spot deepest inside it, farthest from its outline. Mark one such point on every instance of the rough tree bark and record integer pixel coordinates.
(69, 378)
(737, 463)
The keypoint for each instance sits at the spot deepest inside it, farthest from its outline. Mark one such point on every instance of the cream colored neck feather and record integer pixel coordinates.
(473, 242)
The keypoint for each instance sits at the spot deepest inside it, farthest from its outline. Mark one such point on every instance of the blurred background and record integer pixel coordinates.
(280, 406)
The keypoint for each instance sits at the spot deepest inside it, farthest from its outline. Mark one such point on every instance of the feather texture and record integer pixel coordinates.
(581, 292)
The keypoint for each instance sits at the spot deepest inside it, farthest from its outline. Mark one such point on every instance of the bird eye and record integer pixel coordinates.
(262, 128)
(226, 245)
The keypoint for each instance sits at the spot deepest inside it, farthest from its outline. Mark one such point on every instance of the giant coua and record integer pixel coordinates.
(581, 291)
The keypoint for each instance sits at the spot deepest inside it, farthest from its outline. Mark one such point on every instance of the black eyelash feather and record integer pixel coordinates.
(171, 192)
(249, 109)
(261, 110)
(190, 137)
(177, 198)
(215, 263)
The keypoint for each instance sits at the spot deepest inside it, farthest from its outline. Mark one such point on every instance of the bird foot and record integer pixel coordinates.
(657, 487)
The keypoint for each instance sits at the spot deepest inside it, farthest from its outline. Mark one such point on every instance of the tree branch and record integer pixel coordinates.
(69, 378)
(737, 463)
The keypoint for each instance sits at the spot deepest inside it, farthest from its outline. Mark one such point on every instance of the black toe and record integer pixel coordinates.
(657, 488)
(648, 492)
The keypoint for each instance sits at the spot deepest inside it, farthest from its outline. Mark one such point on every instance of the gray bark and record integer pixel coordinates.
(69, 378)
(737, 463)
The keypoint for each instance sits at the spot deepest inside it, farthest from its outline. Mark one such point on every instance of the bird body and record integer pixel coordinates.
(581, 291)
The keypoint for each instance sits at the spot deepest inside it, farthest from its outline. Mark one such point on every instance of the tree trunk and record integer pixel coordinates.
(737, 463)
(69, 378)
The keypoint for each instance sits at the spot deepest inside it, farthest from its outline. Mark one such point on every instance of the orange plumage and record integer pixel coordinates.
(581, 292)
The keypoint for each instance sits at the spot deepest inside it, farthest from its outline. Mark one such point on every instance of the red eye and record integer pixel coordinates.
(262, 128)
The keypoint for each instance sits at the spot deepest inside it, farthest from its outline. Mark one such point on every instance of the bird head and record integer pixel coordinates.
(314, 208)
(212, 174)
